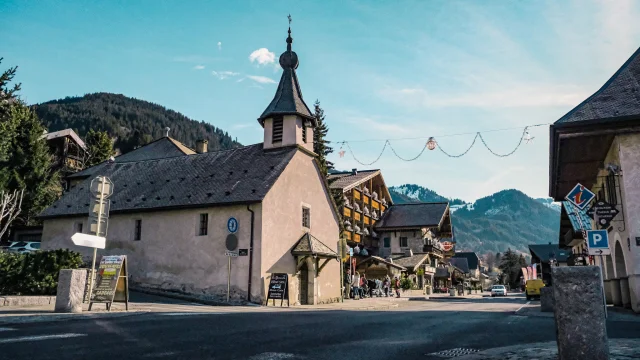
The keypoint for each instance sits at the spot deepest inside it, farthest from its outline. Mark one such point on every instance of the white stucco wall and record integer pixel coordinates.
(415, 241)
(291, 133)
(170, 255)
(299, 185)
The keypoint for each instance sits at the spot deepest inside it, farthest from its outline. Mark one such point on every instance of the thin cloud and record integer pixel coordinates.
(224, 74)
(219, 45)
(198, 67)
(262, 56)
(261, 79)
(242, 126)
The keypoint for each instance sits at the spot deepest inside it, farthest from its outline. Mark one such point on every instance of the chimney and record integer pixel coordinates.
(408, 252)
(166, 134)
(354, 171)
(201, 146)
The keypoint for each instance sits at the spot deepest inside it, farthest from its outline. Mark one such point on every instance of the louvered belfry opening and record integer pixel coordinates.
(277, 130)
(304, 133)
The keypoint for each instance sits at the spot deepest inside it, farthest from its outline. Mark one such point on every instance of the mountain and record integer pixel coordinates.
(508, 218)
(548, 202)
(130, 121)
(415, 193)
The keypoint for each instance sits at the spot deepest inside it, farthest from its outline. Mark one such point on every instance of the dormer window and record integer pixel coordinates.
(278, 126)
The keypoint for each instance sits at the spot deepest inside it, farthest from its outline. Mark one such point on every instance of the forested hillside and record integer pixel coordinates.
(130, 121)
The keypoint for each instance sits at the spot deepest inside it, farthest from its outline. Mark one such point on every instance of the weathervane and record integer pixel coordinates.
(289, 17)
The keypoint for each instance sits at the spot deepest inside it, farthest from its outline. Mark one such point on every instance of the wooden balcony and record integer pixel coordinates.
(365, 198)
(357, 216)
(375, 204)
(432, 249)
(367, 219)
(348, 235)
(356, 194)
(356, 238)
(346, 212)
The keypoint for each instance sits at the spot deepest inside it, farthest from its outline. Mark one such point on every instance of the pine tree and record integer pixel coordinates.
(320, 144)
(99, 147)
(7, 97)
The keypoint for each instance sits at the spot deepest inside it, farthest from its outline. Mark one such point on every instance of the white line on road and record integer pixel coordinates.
(520, 308)
(190, 313)
(40, 337)
(6, 329)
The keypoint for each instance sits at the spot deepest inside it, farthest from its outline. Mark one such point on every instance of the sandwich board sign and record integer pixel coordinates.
(278, 289)
(112, 282)
(598, 242)
(580, 196)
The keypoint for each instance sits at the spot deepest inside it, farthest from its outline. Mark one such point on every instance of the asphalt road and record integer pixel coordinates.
(417, 330)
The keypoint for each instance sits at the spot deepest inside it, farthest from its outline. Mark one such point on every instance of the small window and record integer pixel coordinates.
(204, 224)
(306, 217)
(387, 242)
(138, 230)
(304, 132)
(79, 227)
(403, 242)
(277, 130)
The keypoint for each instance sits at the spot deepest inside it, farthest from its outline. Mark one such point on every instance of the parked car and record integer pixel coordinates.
(498, 290)
(532, 288)
(24, 246)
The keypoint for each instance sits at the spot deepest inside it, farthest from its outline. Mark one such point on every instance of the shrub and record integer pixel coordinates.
(35, 273)
(406, 283)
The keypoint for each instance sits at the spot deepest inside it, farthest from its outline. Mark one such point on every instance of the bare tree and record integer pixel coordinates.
(10, 204)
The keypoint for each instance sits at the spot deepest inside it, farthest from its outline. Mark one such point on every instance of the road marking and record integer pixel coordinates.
(520, 308)
(40, 337)
(6, 329)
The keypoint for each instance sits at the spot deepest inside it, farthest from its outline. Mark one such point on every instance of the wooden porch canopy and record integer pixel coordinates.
(309, 246)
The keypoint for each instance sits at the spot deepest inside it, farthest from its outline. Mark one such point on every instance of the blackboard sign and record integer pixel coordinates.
(111, 284)
(278, 288)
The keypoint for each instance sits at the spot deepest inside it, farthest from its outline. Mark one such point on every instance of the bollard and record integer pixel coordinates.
(70, 292)
(579, 313)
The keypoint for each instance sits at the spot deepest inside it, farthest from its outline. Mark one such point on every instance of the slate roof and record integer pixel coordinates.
(472, 258)
(288, 98)
(164, 147)
(64, 133)
(573, 217)
(415, 215)
(310, 245)
(241, 175)
(442, 272)
(347, 180)
(619, 97)
(460, 263)
(542, 252)
(411, 262)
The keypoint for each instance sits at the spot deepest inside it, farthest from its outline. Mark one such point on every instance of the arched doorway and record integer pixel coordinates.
(621, 274)
(609, 275)
(303, 288)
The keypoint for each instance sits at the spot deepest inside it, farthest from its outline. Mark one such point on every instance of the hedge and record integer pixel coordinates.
(35, 273)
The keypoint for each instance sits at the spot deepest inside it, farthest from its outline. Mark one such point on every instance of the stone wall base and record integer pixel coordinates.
(26, 300)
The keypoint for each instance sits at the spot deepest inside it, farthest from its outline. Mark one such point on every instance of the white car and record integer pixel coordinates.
(498, 290)
(24, 246)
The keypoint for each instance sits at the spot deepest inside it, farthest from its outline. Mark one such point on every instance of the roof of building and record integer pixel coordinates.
(543, 252)
(310, 245)
(288, 98)
(349, 179)
(579, 219)
(410, 262)
(164, 147)
(241, 175)
(377, 259)
(617, 99)
(64, 133)
(472, 258)
(442, 272)
(414, 215)
(461, 263)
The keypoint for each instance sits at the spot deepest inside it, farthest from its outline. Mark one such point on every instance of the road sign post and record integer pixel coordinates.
(232, 244)
(101, 188)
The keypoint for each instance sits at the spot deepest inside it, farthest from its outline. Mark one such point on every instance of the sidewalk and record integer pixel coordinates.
(619, 349)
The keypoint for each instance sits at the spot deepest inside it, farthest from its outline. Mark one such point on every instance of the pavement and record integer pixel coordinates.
(487, 328)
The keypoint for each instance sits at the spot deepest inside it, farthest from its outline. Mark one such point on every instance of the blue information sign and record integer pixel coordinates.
(580, 196)
(232, 225)
(598, 242)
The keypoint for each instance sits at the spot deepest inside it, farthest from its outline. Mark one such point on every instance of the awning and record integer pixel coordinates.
(310, 245)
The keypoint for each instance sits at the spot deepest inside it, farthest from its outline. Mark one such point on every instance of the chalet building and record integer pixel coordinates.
(410, 234)
(170, 209)
(543, 254)
(597, 144)
(366, 198)
(474, 263)
(69, 151)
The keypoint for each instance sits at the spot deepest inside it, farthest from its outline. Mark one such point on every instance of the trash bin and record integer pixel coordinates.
(452, 292)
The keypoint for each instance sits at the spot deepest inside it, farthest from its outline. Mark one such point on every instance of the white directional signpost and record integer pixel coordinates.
(101, 189)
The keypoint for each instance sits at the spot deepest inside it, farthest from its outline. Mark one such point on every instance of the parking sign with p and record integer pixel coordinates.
(598, 242)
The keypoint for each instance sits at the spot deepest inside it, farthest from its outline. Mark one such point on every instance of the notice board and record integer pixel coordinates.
(278, 288)
(112, 282)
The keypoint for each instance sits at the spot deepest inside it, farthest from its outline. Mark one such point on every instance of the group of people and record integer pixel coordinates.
(358, 286)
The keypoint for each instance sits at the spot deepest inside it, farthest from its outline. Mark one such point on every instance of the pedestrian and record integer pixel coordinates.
(385, 286)
(355, 285)
(396, 284)
(363, 285)
(347, 284)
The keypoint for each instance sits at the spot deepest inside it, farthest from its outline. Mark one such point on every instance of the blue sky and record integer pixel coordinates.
(382, 70)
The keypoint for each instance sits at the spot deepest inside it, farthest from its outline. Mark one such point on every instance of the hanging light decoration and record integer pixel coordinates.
(527, 137)
(431, 144)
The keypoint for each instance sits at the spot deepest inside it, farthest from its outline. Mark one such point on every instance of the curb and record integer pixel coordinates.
(38, 318)
(187, 297)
